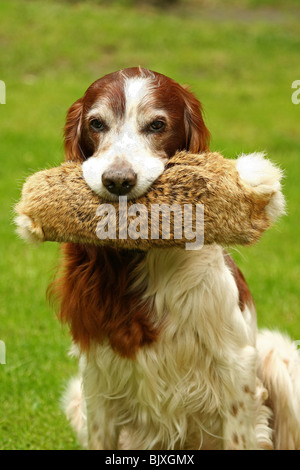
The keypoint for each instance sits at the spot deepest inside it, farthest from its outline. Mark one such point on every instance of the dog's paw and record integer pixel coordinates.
(260, 173)
(28, 230)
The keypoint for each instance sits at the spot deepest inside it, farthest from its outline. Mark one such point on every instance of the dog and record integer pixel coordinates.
(169, 353)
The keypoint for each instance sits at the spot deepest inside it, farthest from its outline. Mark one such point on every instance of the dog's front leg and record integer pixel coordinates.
(241, 404)
(239, 424)
(103, 433)
(103, 428)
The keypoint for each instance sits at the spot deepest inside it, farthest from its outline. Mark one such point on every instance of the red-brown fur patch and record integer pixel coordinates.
(245, 297)
(96, 301)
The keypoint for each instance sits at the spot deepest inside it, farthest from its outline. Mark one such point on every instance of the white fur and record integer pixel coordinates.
(74, 406)
(196, 387)
(265, 177)
(27, 230)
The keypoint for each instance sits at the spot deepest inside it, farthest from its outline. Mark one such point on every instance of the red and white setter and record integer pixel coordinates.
(169, 353)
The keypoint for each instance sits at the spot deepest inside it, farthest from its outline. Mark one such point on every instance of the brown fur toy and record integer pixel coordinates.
(241, 198)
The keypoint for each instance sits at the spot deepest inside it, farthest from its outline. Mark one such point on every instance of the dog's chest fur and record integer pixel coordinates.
(174, 388)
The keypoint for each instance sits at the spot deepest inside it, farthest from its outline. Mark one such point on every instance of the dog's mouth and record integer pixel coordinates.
(130, 195)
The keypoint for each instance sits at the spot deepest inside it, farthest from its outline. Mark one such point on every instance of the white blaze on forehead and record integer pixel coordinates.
(136, 90)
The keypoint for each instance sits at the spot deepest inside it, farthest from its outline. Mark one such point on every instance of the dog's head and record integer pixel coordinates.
(126, 127)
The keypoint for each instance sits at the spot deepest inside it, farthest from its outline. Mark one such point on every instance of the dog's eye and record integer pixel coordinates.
(97, 125)
(157, 125)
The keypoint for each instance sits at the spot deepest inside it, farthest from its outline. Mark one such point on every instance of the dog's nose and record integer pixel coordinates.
(119, 182)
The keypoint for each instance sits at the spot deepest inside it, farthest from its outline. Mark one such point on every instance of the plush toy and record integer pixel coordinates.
(228, 201)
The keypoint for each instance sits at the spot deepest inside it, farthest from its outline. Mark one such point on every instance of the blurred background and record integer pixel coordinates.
(239, 57)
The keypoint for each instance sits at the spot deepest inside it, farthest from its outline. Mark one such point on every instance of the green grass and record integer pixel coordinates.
(240, 61)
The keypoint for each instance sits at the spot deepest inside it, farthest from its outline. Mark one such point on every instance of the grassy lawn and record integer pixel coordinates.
(240, 61)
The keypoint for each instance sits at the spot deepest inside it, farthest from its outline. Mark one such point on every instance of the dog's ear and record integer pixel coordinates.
(197, 134)
(72, 132)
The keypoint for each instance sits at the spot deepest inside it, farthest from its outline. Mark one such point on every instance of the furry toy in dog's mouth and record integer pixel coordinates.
(240, 199)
